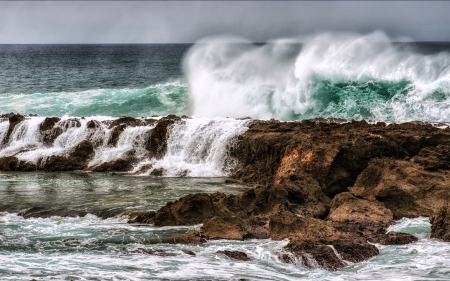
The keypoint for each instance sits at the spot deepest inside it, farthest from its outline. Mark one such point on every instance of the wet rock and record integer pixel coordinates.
(397, 238)
(333, 154)
(434, 158)
(77, 159)
(188, 252)
(141, 217)
(235, 255)
(440, 223)
(354, 249)
(157, 172)
(14, 120)
(405, 187)
(287, 225)
(191, 209)
(119, 165)
(312, 254)
(11, 163)
(158, 136)
(115, 134)
(49, 131)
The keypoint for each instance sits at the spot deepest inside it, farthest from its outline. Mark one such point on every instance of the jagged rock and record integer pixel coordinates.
(115, 134)
(354, 249)
(77, 159)
(346, 207)
(235, 255)
(119, 165)
(141, 217)
(434, 158)
(49, 131)
(396, 238)
(158, 136)
(405, 187)
(191, 209)
(11, 163)
(14, 120)
(286, 225)
(440, 223)
(333, 154)
(312, 254)
(235, 228)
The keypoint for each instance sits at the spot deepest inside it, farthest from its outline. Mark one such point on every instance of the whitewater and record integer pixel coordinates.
(70, 225)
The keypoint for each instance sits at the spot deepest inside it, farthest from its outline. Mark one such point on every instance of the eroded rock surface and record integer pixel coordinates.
(331, 189)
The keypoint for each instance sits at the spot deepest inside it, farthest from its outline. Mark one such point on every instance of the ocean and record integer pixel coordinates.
(70, 225)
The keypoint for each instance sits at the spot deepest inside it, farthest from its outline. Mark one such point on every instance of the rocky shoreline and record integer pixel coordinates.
(331, 188)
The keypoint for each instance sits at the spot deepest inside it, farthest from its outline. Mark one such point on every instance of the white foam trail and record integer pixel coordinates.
(25, 136)
(4, 126)
(199, 147)
(230, 77)
(131, 139)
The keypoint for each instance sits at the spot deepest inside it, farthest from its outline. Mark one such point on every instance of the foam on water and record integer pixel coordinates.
(88, 248)
(200, 147)
(332, 75)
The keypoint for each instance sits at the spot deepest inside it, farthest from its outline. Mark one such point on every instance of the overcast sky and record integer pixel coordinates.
(189, 21)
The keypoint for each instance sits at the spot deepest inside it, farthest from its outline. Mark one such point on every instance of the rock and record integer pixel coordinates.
(346, 207)
(115, 134)
(49, 131)
(158, 136)
(235, 255)
(333, 154)
(405, 187)
(434, 158)
(440, 223)
(119, 165)
(285, 225)
(141, 217)
(77, 159)
(14, 120)
(312, 254)
(397, 238)
(354, 249)
(191, 209)
(11, 163)
(231, 228)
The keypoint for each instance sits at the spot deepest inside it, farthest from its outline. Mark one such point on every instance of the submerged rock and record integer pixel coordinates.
(235, 255)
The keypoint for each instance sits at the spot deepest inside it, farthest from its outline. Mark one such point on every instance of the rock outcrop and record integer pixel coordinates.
(331, 189)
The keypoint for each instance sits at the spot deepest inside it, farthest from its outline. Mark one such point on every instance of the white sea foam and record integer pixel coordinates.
(231, 77)
(199, 147)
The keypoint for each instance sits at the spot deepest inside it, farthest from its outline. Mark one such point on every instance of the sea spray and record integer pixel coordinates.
(200, 147)
(331, 75)
(195, 147)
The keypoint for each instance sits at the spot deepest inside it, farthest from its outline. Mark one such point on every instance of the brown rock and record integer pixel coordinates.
(312, 254)
(235, 255)
(345, 207)
(77, 159)
(158, 136)
(285, 225)
(191, 209)
(397, 238)
(440, 223)
(14, 120)
(354, 249)
(405, 187)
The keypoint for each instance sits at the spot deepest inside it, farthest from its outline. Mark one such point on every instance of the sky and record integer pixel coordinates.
(46, 22)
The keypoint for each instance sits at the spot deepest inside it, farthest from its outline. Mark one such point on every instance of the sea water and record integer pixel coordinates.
(70, 225)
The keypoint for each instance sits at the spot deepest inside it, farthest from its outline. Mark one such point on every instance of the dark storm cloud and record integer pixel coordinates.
(188, 21)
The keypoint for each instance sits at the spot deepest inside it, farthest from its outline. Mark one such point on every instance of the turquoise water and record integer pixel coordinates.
(69, 226)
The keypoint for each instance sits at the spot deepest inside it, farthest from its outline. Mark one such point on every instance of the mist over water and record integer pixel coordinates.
(330, 75)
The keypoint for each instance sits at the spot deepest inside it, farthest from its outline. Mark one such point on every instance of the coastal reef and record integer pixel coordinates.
(331, 188)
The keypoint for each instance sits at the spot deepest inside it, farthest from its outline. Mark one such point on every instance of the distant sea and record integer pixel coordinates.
(77, 231)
